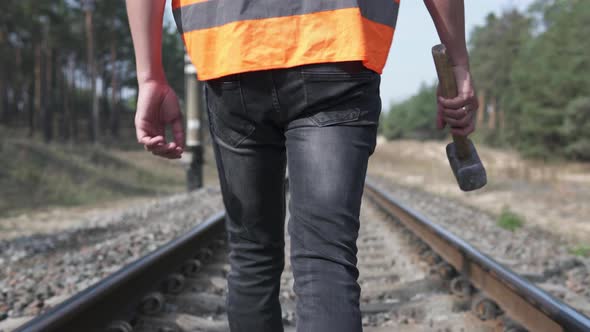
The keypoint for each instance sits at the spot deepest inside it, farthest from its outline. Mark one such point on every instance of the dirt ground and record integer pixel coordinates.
(552, 196)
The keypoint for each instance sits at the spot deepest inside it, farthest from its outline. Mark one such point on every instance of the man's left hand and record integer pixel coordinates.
(458, 112)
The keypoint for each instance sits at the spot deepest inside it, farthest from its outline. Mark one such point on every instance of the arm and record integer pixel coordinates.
(157, 104)
(449, 19)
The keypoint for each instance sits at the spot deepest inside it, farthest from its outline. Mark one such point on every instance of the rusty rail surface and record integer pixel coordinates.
(533, 308)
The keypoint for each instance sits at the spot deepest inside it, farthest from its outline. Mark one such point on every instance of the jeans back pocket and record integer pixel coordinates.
(330, 84)
(228, 118)
(341, 92)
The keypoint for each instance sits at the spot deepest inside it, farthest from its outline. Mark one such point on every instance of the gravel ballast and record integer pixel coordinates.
(541, 257)
(41, 271)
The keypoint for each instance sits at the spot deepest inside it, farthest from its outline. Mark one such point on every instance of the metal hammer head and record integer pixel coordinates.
(467, 167)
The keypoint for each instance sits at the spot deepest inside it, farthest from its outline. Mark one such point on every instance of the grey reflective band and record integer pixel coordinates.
(380, 11)
(214, 13)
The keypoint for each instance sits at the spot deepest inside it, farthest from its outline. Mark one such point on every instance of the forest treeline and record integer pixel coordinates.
(532, 73)
(67, 71)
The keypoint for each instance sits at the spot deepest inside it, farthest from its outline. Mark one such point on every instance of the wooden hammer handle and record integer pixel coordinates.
(448, 86)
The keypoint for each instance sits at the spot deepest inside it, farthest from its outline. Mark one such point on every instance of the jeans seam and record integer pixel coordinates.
(304, 87)
(275, 100)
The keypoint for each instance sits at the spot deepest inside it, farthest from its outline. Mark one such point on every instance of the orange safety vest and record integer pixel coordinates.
(224, 37)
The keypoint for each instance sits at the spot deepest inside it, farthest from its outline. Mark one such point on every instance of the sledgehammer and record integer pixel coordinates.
(465, 163)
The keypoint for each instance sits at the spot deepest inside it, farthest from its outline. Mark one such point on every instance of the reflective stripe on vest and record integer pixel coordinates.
(225, 37)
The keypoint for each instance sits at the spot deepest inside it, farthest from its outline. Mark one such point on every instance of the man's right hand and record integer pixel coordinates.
(157, 107)
(157, 104)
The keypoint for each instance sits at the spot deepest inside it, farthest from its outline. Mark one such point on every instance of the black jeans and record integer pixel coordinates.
(321, 120)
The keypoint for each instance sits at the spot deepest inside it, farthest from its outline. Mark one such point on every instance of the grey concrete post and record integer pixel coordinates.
(194, 135)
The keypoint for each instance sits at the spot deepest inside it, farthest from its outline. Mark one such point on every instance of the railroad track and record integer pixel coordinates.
(415, 276)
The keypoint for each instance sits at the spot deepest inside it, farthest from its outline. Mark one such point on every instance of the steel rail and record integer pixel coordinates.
(118, 295)
(530, 306)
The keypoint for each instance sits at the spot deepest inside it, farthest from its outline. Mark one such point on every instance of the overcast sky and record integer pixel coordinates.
(410, 62)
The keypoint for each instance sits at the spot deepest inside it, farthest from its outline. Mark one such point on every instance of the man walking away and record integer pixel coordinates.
(297, 83)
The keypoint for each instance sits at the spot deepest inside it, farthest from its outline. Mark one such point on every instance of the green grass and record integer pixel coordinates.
(582, 250)
(510, 220)
(35, 176)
